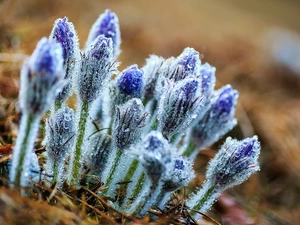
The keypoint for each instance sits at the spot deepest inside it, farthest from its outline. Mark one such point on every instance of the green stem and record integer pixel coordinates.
(130, 173)
(76, 161)
(190, 149)
(113, 169)
(138, 188)
(55, 172)
(207, 198)
(24, 147)
(57, 105)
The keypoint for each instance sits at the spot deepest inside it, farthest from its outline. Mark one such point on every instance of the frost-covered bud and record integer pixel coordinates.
(235, 162)
(130, 119)
(41, 78)
(130, 82)
(155, 155)
(179, 175)
(63, 32)
(208, 78)
(152, 70)
(179, 106)
(218, 120)
(107, 25)
(190, 61)
(59, 139)
(96, 69)
(60, 131)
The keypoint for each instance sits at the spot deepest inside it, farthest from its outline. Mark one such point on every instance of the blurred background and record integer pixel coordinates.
(255, 46)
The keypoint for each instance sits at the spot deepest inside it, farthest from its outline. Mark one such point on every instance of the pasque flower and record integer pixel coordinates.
(235, 162)
(108, 26)
(41, 79)
(63, 32)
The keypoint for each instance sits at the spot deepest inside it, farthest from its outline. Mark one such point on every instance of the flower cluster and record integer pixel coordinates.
(139, 131)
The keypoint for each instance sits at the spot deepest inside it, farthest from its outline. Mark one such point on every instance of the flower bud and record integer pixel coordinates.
(130, 82)
(235, 162)
(41, 78)
(64, 33)
(130, 119)
(218, 120)
(190, 61)
(155, 155)
(96, 69)
(179, 106)
(179, 175)
(107, 25)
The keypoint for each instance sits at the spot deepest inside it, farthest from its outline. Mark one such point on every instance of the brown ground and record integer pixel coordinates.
(235, 36)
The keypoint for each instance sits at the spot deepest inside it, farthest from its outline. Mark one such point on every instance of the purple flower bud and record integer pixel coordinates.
(60, 131)
(207, 73)
(179, 106)
(190, 61)
(224, 106)
(235, 162)
(64, 33)
(41, 78)
(107, 25)
(130, 81)
(96, 69)
(179, 174)
(218, 120)
(155, 155)
(130, 119)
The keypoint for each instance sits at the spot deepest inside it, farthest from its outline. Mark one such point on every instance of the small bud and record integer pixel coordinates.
(207, 73)
(218, 120)
(179, 175)
(179, 106)
(235, 162)
(60, 131)
(152, 70)
(59, 139)
(96, 69)
(130, 82)
(41, 78)
(107, 25)
(155, 155)
(130, 119)
(190, 61)
(64, 33)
